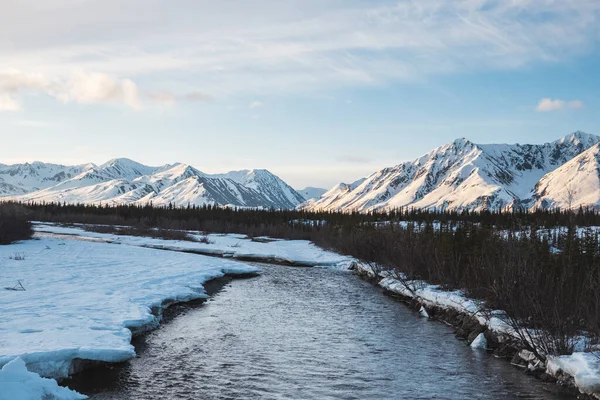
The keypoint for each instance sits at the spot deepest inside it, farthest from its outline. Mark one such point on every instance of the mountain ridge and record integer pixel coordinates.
(124, 181)
(461, 175)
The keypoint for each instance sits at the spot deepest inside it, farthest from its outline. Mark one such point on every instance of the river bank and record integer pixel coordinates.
(576, 375)
(309, 333)
(73, 300)
(67, 305)
(105, 289)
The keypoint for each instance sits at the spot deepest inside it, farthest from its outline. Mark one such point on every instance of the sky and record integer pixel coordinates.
(316, 91)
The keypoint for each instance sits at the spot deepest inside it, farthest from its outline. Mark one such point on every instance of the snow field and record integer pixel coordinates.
(84, 293)
(300, 252)
(81, 298)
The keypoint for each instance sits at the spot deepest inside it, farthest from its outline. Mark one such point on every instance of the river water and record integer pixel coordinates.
(308, 333)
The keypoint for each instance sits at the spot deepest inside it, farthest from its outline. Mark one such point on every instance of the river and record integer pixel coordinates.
(307, 333)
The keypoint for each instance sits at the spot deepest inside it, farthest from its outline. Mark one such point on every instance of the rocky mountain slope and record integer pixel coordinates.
(312, 192)
(465, 175)
(573, 184)
(123, 181)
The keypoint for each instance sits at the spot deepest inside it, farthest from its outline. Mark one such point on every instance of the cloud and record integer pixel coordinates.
(90, 88)
(168, 98)
(82, 87)
(85, 88)
(13, 81)
(255, 104)
(163, 98)
(548, 104)
(352, 159)
(7, 103)
(196, 96)
(299, 45)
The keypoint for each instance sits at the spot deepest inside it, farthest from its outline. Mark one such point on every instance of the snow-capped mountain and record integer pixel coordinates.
(123, 181)
(462, 175)
(312, 192)
(24, 178)
(573, 184)
(270, 186)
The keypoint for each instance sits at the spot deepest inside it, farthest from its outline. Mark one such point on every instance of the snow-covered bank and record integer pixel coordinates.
(81, 299)
(580, 370)
(17, 383)
(288, 252)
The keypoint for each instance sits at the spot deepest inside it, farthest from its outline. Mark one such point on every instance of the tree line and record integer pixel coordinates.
(547, 280)
(196, 217)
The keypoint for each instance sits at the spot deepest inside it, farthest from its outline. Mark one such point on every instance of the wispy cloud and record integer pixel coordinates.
(196, 96)
(8, 103)
(85, 88)
(169, 98)
(548, 104)
(90, 88)
(353, 159)
(299, 45)
(161, 97)
(255, 104)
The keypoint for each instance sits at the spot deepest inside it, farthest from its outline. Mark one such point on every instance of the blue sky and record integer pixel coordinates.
(316, 91)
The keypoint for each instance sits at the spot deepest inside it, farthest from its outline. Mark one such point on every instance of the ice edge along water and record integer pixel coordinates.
(583, 367)
(86, 291)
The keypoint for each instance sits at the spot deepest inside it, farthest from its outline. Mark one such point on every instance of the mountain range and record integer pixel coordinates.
(456, 176)
(123, 181)
(464, 175)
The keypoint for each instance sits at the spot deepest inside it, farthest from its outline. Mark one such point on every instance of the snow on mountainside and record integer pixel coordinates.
(574, 184)
(125, 168)
(312, 192)
(269, 185)
(123, 181)
(459, 175)
(24, 178)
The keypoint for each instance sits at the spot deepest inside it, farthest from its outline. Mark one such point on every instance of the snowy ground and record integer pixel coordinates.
(583, 367)
(299, 252)
(17, 383)
(81, 297)
(85, 291)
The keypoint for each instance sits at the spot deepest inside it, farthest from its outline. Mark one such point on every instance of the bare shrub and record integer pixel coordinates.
(206, 240)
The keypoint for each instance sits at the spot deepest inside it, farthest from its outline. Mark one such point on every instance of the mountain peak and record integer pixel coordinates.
(461, 144)
(579, 137)
(464, 175)
(461, 141)
(125, 168)
(124, 181)
(121, 161)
